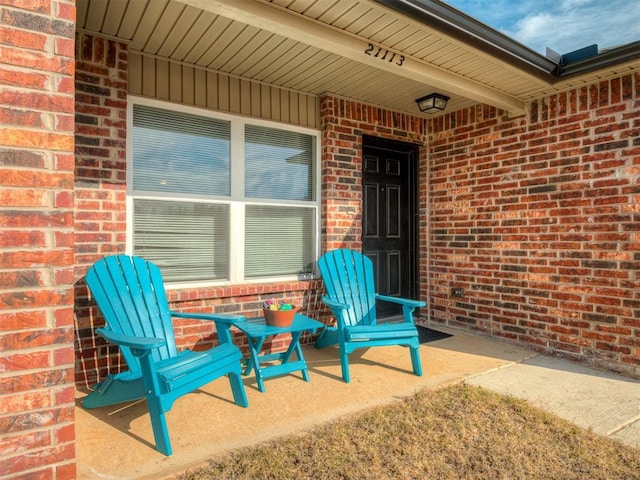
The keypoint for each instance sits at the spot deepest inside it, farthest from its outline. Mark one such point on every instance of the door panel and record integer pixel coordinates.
(388, 218)
(371, 201)
(394, 211)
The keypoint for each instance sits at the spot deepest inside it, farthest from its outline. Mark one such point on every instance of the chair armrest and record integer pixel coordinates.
(332, 304)
(223, 322)
(402, 301)
(135, 343)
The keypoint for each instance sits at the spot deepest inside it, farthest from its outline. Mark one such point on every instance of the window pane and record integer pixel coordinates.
(279, 240)
(180, 153)
(188, 241)
(278, 164)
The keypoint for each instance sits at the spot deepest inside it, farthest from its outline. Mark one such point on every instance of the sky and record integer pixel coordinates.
(562, 25)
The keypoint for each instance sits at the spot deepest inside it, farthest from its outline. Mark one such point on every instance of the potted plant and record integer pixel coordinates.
(278, 313)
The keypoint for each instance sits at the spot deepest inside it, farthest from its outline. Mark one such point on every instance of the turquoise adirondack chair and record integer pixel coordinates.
(130, 294)
(349, 282)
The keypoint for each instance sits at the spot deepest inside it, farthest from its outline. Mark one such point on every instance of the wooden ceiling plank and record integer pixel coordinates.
(282, 63)
(268, 54)
(339, 68)
(318, 8)
(319, 35)
(202, 46)
(144, 31)
(351, 16)
(181, 28)
(219, 43)
(194, 35)
(250, 52)
(320, 68)
(131, 19)
(164, 27)
(95, 15)
(337, 10)
(306, 64)
(113, 17)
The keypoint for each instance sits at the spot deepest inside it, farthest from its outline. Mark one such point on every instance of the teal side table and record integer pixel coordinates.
(258, 331)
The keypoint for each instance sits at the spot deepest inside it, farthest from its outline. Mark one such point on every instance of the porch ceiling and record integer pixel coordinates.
(317, 46)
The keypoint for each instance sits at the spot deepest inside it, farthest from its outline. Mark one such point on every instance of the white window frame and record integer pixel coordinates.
(236, 200)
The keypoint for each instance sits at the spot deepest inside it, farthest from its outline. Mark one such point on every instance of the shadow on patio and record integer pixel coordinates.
(117, 442)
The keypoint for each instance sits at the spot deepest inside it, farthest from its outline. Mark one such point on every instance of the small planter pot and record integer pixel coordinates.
(279, 318)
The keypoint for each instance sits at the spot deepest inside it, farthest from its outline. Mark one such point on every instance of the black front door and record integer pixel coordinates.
(389, 208)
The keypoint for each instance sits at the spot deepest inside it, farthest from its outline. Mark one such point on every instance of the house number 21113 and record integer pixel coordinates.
(383, 54)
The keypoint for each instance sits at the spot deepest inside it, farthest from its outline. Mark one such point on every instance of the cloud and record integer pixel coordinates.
(573, 24)
(564, 25)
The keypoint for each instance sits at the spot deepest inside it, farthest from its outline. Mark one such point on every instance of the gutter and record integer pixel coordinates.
(456, 24)
(452, 22)
(606, 58)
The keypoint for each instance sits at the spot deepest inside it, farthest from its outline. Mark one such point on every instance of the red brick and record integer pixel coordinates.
(29, 219)
(36, 338)
(21, 238)
(43, 458)
(64, 199)
(24, 39)
(36, 179)
(36, 258)
(64, 316)
(66, 11)
(24, 402)
(64, 161)
(23, 79)
(65, 47)
(26, 320)
(14, 444)
(38, 101)
(29, 139)
(39, 6)
(38, 61)
(24, 361)
(23, 198)
(66, 471)
(64, 122)
(26, 118)
(35, 381)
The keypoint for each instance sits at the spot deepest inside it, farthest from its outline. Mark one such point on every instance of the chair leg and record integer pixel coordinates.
(237, 388)
(415, 360)
(159, 425)
(344, 362)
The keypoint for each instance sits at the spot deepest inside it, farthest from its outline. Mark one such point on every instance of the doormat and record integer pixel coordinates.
(429, 335)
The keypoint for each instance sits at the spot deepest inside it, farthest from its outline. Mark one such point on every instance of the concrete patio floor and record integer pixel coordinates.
(117, 442)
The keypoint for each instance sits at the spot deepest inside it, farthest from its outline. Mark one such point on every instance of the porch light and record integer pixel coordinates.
(434, 102)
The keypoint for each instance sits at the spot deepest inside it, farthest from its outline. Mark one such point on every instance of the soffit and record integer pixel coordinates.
(315, 46)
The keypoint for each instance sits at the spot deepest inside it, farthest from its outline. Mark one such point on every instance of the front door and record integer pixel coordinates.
(389, 213)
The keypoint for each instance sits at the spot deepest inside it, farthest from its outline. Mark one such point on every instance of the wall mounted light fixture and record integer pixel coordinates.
(434, 102)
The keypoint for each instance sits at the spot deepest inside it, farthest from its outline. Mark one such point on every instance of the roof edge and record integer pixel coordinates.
(606, 58)
(469, 30)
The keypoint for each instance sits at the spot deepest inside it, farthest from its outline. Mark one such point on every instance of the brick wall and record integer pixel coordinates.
(538, 219)
(344, 123)
(100, 186)
(37, 436)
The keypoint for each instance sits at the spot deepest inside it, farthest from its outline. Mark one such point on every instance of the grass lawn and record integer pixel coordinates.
(458, 432)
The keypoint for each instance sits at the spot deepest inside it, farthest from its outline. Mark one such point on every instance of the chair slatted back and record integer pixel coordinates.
(348, 278)
(129, 291)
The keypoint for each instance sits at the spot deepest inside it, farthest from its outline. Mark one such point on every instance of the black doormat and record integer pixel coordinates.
(426, 334)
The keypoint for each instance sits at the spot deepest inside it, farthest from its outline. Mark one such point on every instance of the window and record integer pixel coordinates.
(217, 198)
